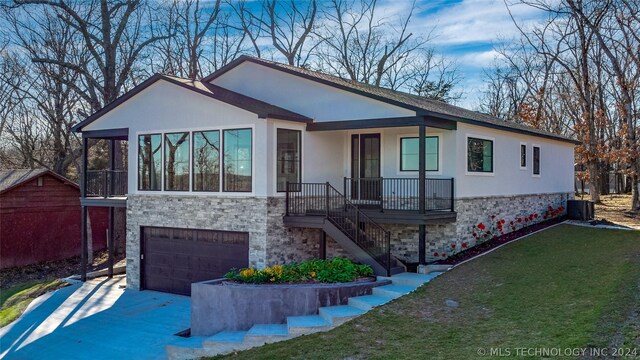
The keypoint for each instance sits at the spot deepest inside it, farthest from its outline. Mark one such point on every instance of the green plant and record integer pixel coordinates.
(326, 271)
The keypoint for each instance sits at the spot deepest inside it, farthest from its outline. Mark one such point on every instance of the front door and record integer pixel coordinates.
(365, 167)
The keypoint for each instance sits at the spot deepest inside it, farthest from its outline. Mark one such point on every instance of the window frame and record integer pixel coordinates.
(222, 166)
(533, 160)
(164, 144)
(300, 146)
(493, 155)
(139, 182)
(438, 157)
(526, 157)
(193, 159)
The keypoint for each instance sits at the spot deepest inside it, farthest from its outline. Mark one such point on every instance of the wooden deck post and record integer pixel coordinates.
(83, 210)
(422, 166)
(110, 242)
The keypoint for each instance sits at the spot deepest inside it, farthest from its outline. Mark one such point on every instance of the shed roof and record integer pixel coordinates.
(12, 178)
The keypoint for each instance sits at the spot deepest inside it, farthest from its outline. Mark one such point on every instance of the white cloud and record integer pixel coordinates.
(473, 21)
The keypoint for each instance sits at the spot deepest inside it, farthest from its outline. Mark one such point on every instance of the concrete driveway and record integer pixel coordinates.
(97, 320)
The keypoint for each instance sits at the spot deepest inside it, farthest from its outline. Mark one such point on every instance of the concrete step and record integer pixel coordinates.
(368, 302)
(227, 337)
(393, 291)
(298, 325)
(268, 332)
(410, 279)
(339, 314)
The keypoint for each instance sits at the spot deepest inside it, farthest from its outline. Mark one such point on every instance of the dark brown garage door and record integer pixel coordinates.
(175, 258)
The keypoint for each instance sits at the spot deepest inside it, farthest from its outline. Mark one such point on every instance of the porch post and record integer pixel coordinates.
(83, 211)
(422, 166)
(110, 242)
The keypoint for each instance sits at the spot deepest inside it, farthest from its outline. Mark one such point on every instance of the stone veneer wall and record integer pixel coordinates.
(195, 212)
(270, 242)
(470, 212)
(285, 245)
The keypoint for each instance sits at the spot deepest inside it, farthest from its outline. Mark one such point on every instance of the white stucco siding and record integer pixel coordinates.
(165, 107)
(310, 98)
(556, 165)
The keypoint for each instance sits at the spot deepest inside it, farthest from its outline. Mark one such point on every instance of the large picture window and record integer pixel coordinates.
(237, 160)
(149, 162)
(536, 160)
(409, 159)
(176, 161)
(206, 161)
(479, 155)
(288, 157)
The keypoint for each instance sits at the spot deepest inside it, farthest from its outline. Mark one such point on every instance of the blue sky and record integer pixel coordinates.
(467, 31)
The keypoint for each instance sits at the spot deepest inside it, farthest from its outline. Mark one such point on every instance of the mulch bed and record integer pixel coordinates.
(51, 269)
(493, 243)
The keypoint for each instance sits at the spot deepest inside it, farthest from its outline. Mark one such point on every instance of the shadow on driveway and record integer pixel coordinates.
(96, 320)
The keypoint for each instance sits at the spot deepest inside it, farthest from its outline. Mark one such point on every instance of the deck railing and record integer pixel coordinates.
(400, 193)
(106, 183)
(322, 199)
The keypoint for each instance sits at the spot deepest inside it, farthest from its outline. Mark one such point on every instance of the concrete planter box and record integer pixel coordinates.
(219, 305)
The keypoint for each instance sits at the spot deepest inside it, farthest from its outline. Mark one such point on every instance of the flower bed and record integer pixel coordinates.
(336, 270)
(496, 241)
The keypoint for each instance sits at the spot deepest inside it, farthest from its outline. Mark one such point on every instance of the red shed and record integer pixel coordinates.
(40, 218)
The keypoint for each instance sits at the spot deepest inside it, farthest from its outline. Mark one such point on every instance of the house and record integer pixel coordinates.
(40, 218)
(263, 163)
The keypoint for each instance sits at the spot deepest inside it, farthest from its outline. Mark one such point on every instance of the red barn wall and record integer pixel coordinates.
(42, 223)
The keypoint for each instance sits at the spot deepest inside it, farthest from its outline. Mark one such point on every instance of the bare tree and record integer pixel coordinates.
(359, 45)
(114, 34)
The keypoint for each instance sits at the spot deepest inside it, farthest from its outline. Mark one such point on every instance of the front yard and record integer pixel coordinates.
(567, 287)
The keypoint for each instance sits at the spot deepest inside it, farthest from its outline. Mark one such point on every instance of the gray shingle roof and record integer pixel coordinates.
(11, 178)
(421, 105)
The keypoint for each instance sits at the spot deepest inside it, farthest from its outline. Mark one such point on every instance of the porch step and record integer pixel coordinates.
(393, 291)
(227, 337)
(307, 324)
(368, 302)
(410, 279)
(268, 330)
(339, 314)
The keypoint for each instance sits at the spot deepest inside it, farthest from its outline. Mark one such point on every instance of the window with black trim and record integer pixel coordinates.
(288, 157)
(536, 160)
(149, 162)
(176, 161)
(523, 155)
(409, 153)
(479, 155)
(206, 160)
(236, 170)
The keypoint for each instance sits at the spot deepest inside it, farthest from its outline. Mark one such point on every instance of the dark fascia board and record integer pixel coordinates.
(382, 123)
(112, 105)
(118, 134)
(37, 175)
(150, 81)
(519, 131)
(244, 58)
(419, 111)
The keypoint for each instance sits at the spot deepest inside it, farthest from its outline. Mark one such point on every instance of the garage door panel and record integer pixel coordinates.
(175, 258)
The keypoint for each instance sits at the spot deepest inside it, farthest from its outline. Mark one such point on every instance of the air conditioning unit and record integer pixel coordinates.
(580, 210)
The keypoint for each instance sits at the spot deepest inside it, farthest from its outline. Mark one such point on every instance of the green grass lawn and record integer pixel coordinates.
(566, 287)
(14, 300)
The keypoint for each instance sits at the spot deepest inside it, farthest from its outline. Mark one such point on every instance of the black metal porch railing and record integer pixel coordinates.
(106, 183)
(400, 193)
(324, 200)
